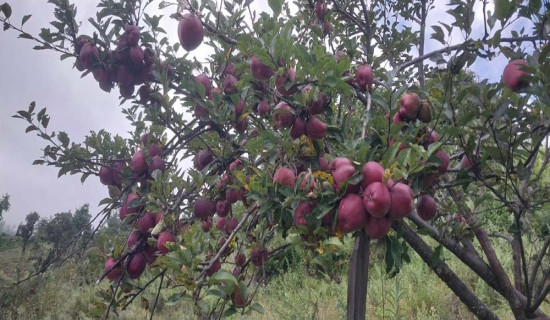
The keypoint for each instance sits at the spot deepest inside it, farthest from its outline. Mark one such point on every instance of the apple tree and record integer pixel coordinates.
(307, 122)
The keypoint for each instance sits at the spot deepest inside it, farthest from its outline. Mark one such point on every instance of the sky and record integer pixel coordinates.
(77, 106)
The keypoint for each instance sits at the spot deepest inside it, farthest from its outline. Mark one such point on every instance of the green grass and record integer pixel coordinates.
(69, 292)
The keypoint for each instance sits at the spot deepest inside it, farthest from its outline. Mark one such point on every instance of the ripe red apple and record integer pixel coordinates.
(150, 254)
(318, 106)
(321, 10)
(204, 208)
(401, 200)
(240, 107)
(125, 210)
(229, 69)
(425, 113)
(338, 162)
(106, 176)
(204, 80)
(149, 56)
(466, 162)
(283, 115)
(126, 91)
(117, 171)
(306, 179)
(101, 74)
(133, 238)
(323, 164)
(206, 225)
(444, 157)
(284, 177)
(136, 265)
(341, 175)
(377, 228)
(89, 55)
(146, 222)
(124, 76)
(240, 259)
(397, 118)
(229, 84)
(164, 238)
(156, 164)
(145, 93)
(202, 159)
(352, 215)
(139, 165)
(298, 128)
(136, 56)
(240, 126)
(80, 42)
(190, 32)
(410, 106)
(326, 28)
(158, 217)
(426, 207)
(372, 172)
(304, 208)
(132, 34)
(263, 108)
(259, 70)
(154, 150)
(239, 296)
(230, 225)
(315, 128)
(222, 208)
(513, 77)
(232, 195)
(259, 256)
(364, 77)
(114, 274)
(166, 69)
(430, 137)
(199, 111)
(377, 199)
(215, 268)
(282, 80)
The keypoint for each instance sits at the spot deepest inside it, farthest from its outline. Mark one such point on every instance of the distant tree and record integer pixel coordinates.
(25, 231)
(4, 204)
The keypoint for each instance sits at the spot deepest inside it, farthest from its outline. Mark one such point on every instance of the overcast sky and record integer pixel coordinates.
(77, 105)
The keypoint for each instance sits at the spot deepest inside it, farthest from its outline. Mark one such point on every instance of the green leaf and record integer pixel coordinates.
(63, 138)
(436, 255)
(502, 9)
(222, 277)
(6, 9)
(276, 6)
(31, 128)
(25, 19)
(258, 308)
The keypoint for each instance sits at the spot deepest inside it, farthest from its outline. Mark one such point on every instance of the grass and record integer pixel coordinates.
(69, 292)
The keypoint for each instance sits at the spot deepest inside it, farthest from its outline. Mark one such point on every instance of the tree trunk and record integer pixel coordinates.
(358, 278)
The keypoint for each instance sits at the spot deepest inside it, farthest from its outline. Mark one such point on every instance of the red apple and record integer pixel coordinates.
(156, 164)
(259, 70)
(466, 162)
(114, 274)
(204, 80)
(338, 162)
(341, 175)
(222, 208)
(410, 106)
(199, 111)
(321, 10)
(136, 265)
(204, 208)
(377, 228)
(136, 55)
(124, 76)
(352, 215)
(284, 177)
(298, 128)
(202, 159)
(283, 115)
(326, 28)
(377, 199)
(306, 179)
(426, 207)
(240, 259)
(206, 225)
(401, 200)
(190, 32)
(139, 165)
(444, 157)
(229, 84)
(132, 35)
(133, 238)
(89, 55)
(315, 128)
(149, 56)
(364, 76)
(215, 268)
(282, 80)
(303, 209)
(106, 176)
(146, 222)
(239, 297)
(125, 210)
(259, 256)
(164, 238)
(323, 164)
(513, 77)
(150, 254)
(372, 172)
(263, 108)
(154, 150)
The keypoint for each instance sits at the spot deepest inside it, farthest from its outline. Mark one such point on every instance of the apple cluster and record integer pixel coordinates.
(321, 12)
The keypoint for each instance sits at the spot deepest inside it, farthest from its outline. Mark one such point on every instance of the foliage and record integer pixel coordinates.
(306, 61)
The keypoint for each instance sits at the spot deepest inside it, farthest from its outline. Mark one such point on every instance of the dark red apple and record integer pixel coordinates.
(230, 225)
(326, 28)
(139, 165)
(222, 208)
(341, 175)
(444, 157)
(89, 55)
(426, 207)
(303, 209)
(101, 75)
(283, 115)
(149, 56)
(80, 42)
(259, 70)
(150, 254)
(200, 111)
(125, 210)
(321, 10)
(364, 77)
(133, 238)
(204, 208)
(298, 128)
(410, 106)
(136, 265)
(240, 259)
(338, 162)
(204, 80)
(282, 80)
(229, 69)
(401, 200)
(240, 107)
(114, 274)
(284, 177)
(154, 150)
(124, 76)
(315, 128)
(259, 256)
(146, 222)
(206, 225)
(397, 118)
(190, 32)
(132, 34)
(229, 84)
(323, 164)
(513, 77)
(156, 164)
(318, 106)
(220, 223)
(126, 91)
(352, 215)
(372, 172)
(240, 126)
(232, 195)
(238, 297)
(106, 176)
(214, 268)
(306, 179)
(263, 108)
(145, 93)
(377, 199)
(202, 159)
(164, 238)
(137, 55)
(377, 228)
